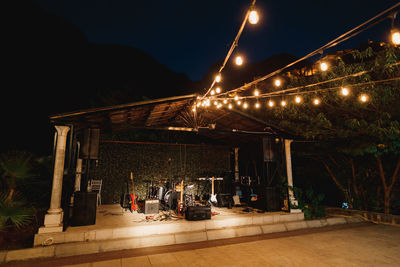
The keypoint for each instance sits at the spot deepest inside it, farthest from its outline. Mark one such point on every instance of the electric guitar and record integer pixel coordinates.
(133, 197)
(213, 197)
(180, 201)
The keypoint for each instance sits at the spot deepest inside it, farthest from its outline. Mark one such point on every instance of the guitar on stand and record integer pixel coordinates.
(133, 197)
(180, 201)
(213, 197)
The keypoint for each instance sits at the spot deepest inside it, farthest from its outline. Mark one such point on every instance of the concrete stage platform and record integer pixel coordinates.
(118, 230)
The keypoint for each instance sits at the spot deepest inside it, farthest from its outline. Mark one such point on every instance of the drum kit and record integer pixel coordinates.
(167, 193)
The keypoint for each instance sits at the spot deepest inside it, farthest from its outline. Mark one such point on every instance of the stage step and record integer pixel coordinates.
(96, 246)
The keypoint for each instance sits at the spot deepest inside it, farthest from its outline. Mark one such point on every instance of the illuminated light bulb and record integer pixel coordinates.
(194, 109)
(225, 101)
(239, 103)
(324, 66)
(253, 17)
(257, 105)
(230, 106)
(218, 90)
(271, 103)
(256, 92)
(396, 37)
(344, 91)
(277, 82)
(297, 99)
(283, 103)
(236, 98)
(198, 104)
(316, 101)
(239, 60)
(212, 92)
(363, 98)
(218, 78)
(219, 105)
(245, 105)
(216, 103)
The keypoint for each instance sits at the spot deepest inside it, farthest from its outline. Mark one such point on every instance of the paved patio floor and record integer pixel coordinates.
(362, 245)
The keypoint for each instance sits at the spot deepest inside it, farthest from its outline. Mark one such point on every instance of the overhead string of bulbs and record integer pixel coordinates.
(218, 98)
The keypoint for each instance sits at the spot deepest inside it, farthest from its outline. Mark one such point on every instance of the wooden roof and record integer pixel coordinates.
(174, 113)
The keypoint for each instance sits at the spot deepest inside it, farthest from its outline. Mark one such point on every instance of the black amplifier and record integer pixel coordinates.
(196, 213)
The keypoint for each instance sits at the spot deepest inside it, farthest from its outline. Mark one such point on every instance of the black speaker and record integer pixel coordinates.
(269, 199)
(224, 200)
(84, 212)
(196, 213)
(90, 144)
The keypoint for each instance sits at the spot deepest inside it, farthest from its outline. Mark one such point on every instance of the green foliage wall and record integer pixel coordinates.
(150, 162)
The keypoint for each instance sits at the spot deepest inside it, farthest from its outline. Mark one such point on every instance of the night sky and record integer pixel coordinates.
(190, 36)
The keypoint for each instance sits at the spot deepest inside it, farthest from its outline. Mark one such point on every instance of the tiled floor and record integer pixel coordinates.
(372, 245)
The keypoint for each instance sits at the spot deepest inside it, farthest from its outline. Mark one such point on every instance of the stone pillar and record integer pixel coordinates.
(54, 217)
(236, 164)
(292, 199)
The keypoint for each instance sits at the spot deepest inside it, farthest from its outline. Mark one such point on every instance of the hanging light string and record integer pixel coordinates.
(233, 46)
(330, 44)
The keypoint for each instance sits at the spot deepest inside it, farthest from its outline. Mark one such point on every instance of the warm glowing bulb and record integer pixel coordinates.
(245, 105)
(256, 92)
(283, 103)
(253, 17)
(218, 78)
(345, 91)
(230, 106)
(396, 37)
(316, 101)
(363, 98)
(239, 60)
(218, 90)
(239, 102)
(324, 66)
(225, 101)
(257, 105)
(198, 104)
(297, 99)
(277, 82)
(216, 103)
(271, 103)
(236, 98)
(212, 92)
(219, 105)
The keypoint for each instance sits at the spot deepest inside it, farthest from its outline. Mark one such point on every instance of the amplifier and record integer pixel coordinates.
(224, 200)
(196, 213)
(151, 206)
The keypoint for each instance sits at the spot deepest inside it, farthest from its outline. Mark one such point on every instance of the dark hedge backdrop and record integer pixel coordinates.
(150, 162)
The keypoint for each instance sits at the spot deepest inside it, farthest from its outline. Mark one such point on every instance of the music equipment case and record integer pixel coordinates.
(196, 213)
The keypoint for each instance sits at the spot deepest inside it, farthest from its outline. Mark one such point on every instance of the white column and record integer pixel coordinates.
(292, 199)
(236, 164)
(78, 175)
(54, 217)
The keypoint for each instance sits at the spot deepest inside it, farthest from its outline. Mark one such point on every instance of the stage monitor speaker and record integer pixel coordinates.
(90, 144)
(196, 213)
(85, 205)
(151, 206)
(224, 200)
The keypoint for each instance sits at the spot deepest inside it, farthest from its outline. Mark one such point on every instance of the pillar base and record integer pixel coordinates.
(53, 222)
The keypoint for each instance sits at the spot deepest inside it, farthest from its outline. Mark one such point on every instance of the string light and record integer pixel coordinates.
(239, 60)
(230, 106)
(245, 105)
(316, 101)
(215, 103)
(323, 66)
(254, 17)
(256, 93)
(218, 90)
(363, 98)
(212, 92)
(297, 99)
(271, 103)
(236, 98)
(239, 102)
(345, 91)
(283, 103)
(277, 82)
(225, 101)
(395, 36)
(257, 105)
(218, 78)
